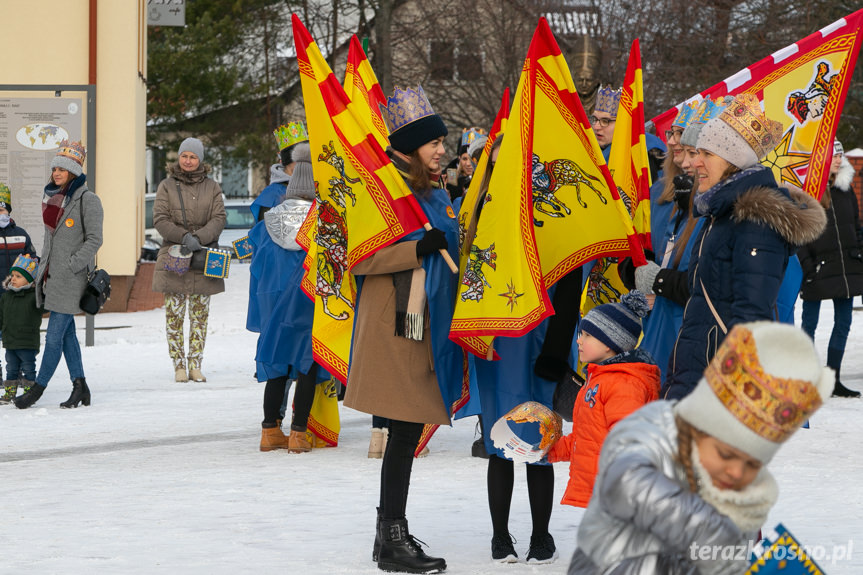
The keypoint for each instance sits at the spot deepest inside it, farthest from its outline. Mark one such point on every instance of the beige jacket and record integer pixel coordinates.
(391, 376)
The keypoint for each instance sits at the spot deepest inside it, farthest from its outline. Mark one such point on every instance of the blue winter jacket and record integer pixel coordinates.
(737, 262)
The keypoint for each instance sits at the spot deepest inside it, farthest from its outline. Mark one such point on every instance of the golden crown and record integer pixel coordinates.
(607, 100)
(290, 134)
(404, 107)
(745, 116)
(5, 194)
(772, 407)
(468, 135)
(74, 150)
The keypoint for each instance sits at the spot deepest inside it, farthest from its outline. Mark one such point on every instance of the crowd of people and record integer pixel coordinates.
(686, 394)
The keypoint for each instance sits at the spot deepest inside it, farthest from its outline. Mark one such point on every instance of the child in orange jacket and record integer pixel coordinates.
(620, 379)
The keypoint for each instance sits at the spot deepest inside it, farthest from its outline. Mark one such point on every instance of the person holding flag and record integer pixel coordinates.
(403, 365)
(739, 258)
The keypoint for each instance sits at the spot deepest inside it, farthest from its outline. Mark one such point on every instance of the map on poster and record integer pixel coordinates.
(31, 129)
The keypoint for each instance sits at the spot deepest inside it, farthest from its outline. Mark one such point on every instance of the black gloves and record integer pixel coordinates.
(191, 243)
(433, 241)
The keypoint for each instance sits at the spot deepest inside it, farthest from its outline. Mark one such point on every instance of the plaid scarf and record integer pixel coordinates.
(52, 206)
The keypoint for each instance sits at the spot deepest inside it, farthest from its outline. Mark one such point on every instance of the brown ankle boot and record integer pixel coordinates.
(273, 438)
(298, 442)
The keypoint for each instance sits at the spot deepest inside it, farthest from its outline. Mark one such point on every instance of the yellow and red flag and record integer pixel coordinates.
(553, 206)
(803, 86)
(478, 345)
(362, 204)
(627, 160)
(362, 89)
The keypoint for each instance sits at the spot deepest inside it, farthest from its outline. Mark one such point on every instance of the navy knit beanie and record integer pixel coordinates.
(617, 325)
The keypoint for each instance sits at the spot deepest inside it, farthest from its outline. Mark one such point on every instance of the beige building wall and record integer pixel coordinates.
(62, 56)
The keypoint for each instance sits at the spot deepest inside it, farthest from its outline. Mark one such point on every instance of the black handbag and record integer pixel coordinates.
(199, 258)
(97, 292)
(563, 401)
(98, 289)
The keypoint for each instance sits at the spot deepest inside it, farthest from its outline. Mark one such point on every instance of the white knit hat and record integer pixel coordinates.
(302, 184)
(765, 381)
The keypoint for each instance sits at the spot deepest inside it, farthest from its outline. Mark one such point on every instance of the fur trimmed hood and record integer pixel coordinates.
(845, 176)
(799, 219)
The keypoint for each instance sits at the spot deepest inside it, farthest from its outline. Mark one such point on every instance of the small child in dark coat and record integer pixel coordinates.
(20, 320)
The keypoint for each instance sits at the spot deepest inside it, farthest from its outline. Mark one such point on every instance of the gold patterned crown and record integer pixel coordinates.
(772, 407)
(744, 115)
(404, 107)
(290, 134)
(74, 150)
(687, 113)
(607, 100)
(469, 135)
(5, 194)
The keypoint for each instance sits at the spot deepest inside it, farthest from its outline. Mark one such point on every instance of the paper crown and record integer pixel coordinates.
(744, 115)
(711, 108)
(770, 406)
(405, 107)
(837, 149)
(290, 134)
(469, 135)
(5, 194)
(686, 114)
(25, 266)
(607, 100)
(73, 150)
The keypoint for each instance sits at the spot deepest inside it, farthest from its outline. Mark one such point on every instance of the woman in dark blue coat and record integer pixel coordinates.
(752, 227)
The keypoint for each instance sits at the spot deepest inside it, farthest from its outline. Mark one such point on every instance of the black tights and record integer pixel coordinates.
(396, 468)
(304, 394)
(540, 492)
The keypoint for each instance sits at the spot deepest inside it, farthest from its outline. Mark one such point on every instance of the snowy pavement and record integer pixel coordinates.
(160, 477)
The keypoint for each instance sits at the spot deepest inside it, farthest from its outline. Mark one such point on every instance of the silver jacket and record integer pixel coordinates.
(284, 221)
(642, 518)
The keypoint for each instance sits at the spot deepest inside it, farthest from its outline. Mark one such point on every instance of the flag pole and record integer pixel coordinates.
(446, 257)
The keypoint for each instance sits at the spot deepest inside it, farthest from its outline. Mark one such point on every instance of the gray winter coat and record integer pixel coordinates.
(643, 519)
(205, 216)
(69, 254)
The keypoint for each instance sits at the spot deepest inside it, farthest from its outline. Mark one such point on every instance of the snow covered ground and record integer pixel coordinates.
(160, 477)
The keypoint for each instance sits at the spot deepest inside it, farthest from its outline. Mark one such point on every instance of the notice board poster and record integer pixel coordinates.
(32, 125)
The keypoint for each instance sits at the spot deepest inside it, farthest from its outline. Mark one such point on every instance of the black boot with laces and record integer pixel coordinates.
(401, 552)
(542, 549)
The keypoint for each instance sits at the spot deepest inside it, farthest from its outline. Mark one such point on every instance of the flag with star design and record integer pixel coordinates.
(551, 205)
(803, 86)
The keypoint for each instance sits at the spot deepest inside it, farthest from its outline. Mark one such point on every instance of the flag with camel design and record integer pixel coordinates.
(362, 203)
(551, 204)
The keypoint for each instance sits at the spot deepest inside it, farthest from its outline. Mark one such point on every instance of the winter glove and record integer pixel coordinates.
(432, 241)
(191, 243)
(626, 271)
(645, 276)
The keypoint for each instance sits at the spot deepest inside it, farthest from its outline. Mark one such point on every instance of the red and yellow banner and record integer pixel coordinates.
(803, 86)
(627, 160)
(552, 205)
(362, 202)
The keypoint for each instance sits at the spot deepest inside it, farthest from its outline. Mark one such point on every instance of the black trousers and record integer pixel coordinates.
(274, 395)
(396, 468)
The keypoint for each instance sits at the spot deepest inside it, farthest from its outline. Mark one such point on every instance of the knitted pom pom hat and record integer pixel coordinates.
(617, 325)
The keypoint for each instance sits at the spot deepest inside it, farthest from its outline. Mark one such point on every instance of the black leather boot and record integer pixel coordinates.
(30, 397)
(376, 548)
(834, 361)
(80, 394)
(401, 552)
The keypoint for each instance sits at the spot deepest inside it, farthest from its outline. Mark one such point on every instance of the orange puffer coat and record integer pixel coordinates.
(614, 389)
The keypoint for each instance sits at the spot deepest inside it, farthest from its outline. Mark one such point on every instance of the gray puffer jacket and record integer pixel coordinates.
(643, 519)
(69, 253)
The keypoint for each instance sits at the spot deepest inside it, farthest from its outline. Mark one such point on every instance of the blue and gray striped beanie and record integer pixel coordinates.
(617, 325)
